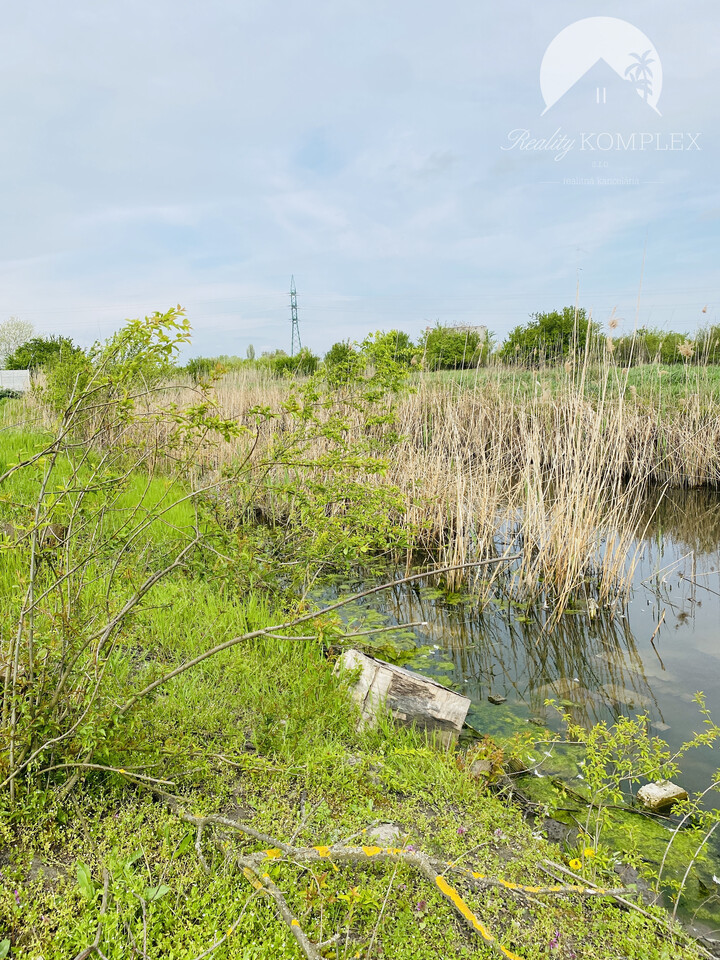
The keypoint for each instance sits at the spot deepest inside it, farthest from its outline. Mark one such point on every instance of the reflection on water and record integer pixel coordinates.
(649, 659)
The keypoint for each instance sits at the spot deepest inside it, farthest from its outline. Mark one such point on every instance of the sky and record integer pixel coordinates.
(201, 154)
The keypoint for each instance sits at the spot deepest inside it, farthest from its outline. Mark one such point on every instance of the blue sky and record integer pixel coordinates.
(164, 153)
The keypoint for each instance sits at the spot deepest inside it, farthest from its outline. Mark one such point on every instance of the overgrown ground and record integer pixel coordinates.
(265, 734)
(117, 754)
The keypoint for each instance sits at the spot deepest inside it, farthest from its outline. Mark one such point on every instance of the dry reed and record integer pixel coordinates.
(486, 467)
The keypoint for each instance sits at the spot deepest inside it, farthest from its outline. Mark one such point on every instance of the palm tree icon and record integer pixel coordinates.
(640, 74)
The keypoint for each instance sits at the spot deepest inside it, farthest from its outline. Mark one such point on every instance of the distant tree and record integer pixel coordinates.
(13, 333)
(394, 346)
(451, 348)
(653, 345)
(41, 352)
(342, 363)
(707, 344)
(302, 364)
(549, 337)
(250, 352)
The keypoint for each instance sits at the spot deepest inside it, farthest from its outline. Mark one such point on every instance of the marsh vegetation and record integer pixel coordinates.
(164, 655)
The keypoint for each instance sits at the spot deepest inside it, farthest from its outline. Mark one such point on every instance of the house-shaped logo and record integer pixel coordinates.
(599, 62)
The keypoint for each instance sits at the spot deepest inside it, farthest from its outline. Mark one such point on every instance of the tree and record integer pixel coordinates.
(452, 348)
(40, 352)
(13, 333)
(66, 703)
(342, 363)
(640, 74)
(303, 364)
(250, 352)
(394, 346)
(549, 337)
(652, 345)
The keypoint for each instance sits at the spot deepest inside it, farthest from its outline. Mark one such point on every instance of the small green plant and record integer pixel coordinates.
(621, 757)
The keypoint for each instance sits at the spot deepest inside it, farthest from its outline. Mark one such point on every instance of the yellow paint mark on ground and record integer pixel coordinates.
(250, 876)
(372, 851)
(465, 910)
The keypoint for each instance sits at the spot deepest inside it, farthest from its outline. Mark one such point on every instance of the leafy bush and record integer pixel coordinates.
(549, 337)
(66, 378)
(342, 363)
(394, 346)
(707, 344)
(651, 345)
(302, 364)
(41, 352)
(446, 348)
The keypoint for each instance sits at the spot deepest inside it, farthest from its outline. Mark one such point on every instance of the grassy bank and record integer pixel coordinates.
(163, 667)
(264, 734)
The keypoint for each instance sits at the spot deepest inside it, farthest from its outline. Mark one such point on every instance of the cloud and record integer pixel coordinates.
(159, 153)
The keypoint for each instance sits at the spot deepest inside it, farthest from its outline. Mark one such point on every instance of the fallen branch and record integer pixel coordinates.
(253, 869)
(297, 621)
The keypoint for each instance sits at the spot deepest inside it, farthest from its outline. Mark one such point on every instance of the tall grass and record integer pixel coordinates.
(553, 465)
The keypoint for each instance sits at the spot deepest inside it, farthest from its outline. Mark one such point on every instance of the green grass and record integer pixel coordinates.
(675, 382)
(264, 731)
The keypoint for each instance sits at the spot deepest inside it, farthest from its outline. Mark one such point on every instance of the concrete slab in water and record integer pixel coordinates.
(660, 794)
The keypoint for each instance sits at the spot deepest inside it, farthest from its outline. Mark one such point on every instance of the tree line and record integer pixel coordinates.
(546, 339)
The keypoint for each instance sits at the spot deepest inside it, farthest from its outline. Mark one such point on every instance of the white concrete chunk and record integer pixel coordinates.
(660, 794)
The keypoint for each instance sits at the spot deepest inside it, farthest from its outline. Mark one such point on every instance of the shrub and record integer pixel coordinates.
(342, 363)
(395, 346)
(549, 337)
(302, 364)
(41, 352)
(448, 348)
(651, 345)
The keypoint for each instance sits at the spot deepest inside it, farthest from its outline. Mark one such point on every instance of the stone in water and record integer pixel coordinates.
(496, 699)
(660, 794)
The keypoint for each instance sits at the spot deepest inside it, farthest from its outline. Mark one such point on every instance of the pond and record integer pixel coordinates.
(648, 658)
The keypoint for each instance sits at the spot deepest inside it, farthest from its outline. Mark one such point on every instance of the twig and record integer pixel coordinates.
(382, 911)
(298, 620)
(100, 766)
(669, 926)
(94, 947)
(263, 884)
(655, 633)
(231, 929)
(198, 849)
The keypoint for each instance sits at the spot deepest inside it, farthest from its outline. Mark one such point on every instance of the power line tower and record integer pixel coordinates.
(294, 319)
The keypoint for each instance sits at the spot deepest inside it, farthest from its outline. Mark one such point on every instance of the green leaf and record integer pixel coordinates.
(184, 845)
(133, 858)
(85, 881)
(155, 893)
(4, 948)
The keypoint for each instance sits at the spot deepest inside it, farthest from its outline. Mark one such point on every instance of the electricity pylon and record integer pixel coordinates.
(294, 319)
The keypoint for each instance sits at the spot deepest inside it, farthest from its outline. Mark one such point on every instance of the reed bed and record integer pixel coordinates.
(555, 467)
